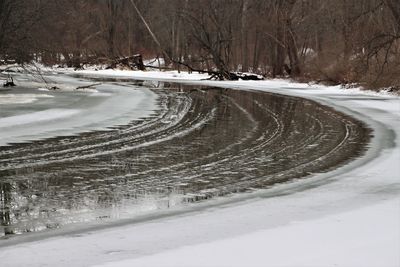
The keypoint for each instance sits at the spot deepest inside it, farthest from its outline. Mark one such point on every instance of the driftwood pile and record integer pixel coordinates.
(235, 76)
(132, 63)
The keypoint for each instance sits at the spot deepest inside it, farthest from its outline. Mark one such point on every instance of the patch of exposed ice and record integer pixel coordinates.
(21, 98)
(68, 111)
(37, 117)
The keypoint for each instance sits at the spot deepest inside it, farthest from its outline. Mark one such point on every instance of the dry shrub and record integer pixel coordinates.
(377, 74)
(331, 71)
(387, 77)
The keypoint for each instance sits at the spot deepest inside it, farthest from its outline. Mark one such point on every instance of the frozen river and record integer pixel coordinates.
(129, 148)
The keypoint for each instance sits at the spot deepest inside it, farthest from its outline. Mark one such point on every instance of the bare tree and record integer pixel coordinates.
(334, 41)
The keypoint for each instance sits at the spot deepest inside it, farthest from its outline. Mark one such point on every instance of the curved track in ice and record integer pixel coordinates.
(199, 144)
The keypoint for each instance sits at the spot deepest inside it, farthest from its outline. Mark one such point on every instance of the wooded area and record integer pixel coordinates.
(341, 41)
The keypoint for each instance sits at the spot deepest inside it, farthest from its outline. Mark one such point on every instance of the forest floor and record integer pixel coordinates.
(347, 217)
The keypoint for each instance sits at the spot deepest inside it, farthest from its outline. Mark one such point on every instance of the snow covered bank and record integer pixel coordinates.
(143, 75)
(348, 217)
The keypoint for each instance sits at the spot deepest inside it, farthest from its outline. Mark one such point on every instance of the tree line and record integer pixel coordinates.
(343, 41)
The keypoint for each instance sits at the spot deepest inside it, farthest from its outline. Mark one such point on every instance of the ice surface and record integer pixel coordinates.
(68, 111)
(6, 99)
(116, 174)
(336, 240)
(349, 217)
(36, 117)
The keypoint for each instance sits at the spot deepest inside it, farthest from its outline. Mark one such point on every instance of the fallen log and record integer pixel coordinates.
(248, 76)
(87, 86)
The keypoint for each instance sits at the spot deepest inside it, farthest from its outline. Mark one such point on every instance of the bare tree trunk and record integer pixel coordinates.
(112, 9)
(155, 39)
(244, 34)
(292, 48)
(256, 53)
(394, 6)
(5, 214)
(346, 29)
(279, 48)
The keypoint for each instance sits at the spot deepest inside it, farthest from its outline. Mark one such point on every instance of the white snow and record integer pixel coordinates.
(146, 75)
(320, 243)
(347, 217)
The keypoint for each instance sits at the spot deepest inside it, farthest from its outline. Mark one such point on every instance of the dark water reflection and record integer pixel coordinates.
(200, 144)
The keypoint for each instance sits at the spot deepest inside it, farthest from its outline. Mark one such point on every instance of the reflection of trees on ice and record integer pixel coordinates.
(199, 144)
(5, 208)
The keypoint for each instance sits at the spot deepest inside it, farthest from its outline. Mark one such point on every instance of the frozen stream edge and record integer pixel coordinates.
(350, 218)
(76, 111)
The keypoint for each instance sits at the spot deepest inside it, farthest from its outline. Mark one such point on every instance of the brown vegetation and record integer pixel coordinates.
(344, 41)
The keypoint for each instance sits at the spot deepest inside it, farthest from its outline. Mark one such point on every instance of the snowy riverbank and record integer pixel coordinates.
(348, 217)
